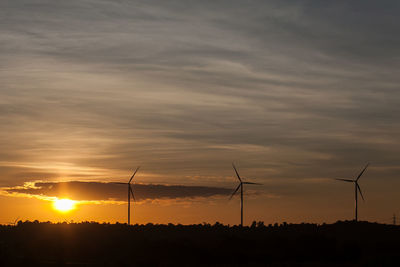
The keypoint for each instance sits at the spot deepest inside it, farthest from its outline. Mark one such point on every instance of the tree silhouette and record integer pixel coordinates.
(94, 244)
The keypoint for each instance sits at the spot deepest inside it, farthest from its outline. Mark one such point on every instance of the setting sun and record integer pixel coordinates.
(64, 205)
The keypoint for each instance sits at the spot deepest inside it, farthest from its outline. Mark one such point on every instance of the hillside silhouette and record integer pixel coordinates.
(94, 244)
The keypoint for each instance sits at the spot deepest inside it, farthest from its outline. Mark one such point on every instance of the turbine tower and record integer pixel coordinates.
(357, 189)
(240, 186)
(130, 192)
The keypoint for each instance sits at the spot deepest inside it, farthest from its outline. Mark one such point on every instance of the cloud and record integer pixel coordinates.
(98, 191)
(91, 87)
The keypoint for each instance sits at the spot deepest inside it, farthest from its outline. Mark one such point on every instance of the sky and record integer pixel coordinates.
(295, 93)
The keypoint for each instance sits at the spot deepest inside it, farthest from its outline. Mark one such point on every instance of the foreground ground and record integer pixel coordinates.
(93, 244)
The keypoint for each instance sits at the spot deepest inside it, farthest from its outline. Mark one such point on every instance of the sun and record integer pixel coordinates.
(64, 205)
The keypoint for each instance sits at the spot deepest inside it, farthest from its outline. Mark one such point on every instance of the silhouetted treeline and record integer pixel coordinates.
(94, 244)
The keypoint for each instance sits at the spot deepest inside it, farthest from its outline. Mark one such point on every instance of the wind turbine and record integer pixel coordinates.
(130, 192)
(241, 183)
(14, 223)
(357, 189)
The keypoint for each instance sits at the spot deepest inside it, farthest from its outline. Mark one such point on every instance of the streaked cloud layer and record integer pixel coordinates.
(290, 90)
(96, 191)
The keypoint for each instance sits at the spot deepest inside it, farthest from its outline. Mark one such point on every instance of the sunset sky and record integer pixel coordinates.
(296, 93)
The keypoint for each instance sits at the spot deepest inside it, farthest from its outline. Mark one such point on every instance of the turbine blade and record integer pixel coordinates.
(238, 176)
(345, 180)
(237, 188)
(133, 196)
(134, 174)
(361, 173)
(118, 183)
(251, 183)
(359, 189)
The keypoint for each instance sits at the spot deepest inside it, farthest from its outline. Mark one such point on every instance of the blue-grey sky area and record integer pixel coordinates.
(294, 92)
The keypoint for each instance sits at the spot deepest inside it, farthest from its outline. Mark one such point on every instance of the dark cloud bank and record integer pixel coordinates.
(108, 191)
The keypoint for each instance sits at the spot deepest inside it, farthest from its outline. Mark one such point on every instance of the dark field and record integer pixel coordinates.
(93, 244)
